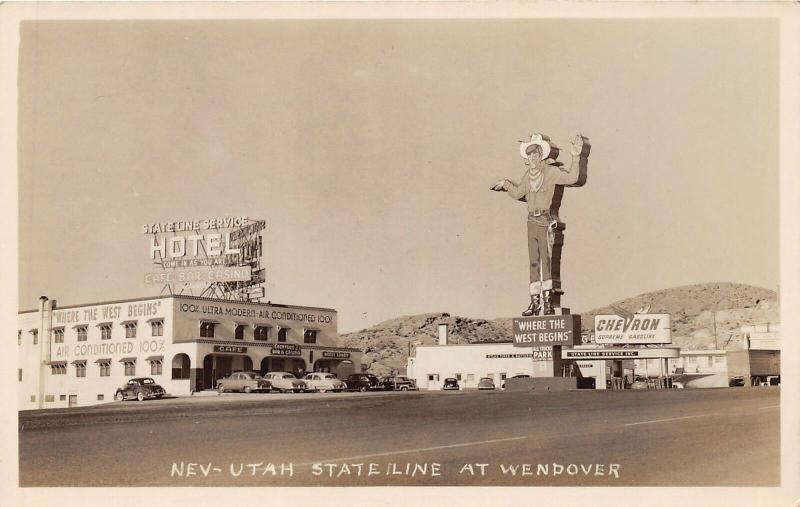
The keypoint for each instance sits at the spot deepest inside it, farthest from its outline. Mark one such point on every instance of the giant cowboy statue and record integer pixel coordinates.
(537, 187)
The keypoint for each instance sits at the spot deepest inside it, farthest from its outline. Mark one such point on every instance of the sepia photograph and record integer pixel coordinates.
(348, 248)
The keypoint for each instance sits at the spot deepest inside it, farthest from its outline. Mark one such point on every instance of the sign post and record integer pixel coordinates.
(547, 330)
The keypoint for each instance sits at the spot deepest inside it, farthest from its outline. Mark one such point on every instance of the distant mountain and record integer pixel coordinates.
(704, 316)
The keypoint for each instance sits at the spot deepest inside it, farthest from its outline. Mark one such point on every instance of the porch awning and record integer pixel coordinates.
(154, 358)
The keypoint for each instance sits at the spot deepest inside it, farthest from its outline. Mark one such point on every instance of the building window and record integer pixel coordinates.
(80, 369)
(156, 367)
(35, 333)
(470, 377)
(261, 333)
(130, 330)
(19, 337)
(58, 369)
(691, 360)
(206, 330)
(101, 397)
(82, 333)
(239, 333)
(310, 336)
(282, 333)
(105, 332)
(157, 327)
(49, 398)
(105, 368)
(58, 335)
(62, 397)
(33, 397)
(433, 377)
(19, 374)
(130, 368)
(503, 376)
(719, 359)
(458, 377)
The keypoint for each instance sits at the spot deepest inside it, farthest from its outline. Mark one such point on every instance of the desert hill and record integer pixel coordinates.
(704, 316)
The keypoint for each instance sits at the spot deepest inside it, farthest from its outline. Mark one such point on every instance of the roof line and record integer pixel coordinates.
(183, 296)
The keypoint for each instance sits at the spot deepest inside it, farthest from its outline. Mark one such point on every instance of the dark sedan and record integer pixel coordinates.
(450, 384)
(140, 389)
(363, 382)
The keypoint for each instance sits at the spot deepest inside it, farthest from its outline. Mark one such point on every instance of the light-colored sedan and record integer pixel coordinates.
(486, 383)
(285, 381)
(324, 382)
(247, 381)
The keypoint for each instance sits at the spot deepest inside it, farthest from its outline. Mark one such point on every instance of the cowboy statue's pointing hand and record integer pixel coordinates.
(500, 186)
(577, 145)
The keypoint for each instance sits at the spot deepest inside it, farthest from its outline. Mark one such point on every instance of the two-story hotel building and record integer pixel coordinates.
(79, 355)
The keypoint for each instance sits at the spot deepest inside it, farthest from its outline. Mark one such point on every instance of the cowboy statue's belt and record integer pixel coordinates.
(538, 212)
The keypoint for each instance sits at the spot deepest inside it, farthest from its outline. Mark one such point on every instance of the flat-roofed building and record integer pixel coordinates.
(79, 355)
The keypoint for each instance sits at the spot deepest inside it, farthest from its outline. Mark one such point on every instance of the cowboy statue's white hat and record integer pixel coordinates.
(536, 140)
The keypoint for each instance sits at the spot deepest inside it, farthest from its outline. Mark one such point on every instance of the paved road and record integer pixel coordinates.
(710, 437)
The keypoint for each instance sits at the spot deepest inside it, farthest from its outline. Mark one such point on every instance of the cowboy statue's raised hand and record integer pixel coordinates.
(500, 186)
(577, 145)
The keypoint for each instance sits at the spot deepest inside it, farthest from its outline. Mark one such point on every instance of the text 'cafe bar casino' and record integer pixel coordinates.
(79, 355)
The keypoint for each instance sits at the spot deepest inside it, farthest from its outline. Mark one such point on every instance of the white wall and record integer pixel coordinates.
(450, 360)
(88, 388)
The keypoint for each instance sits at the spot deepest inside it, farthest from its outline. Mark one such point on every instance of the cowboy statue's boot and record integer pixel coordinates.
(536, 303)
(547, 305)
(534, 307)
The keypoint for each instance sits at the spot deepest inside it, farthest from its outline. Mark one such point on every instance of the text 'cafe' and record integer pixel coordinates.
(79, 355)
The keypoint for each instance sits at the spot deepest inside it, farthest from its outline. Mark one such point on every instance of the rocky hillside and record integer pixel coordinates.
(698, 311)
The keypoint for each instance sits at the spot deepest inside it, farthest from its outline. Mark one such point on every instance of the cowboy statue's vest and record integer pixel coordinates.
(541, 198)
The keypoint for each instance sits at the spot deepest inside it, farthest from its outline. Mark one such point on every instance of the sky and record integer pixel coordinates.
(369, 147)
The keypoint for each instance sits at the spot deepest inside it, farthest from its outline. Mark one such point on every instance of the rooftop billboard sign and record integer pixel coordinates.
(205, 251)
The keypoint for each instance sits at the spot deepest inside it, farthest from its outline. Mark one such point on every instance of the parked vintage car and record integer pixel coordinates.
(285, 381)
(246, 381)
(363, 382)
(450, 384)
(324, 382)
(486, 384)
(139, 388)
(398, 383)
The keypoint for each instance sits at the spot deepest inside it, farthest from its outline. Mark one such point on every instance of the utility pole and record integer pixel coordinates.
(714, 317)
